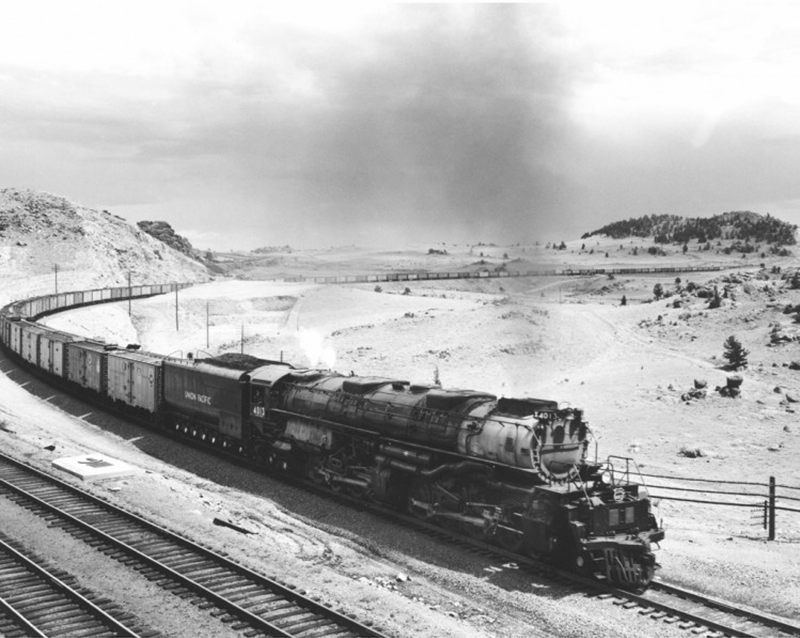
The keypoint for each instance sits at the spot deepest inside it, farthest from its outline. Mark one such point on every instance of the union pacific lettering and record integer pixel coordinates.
(199, 398)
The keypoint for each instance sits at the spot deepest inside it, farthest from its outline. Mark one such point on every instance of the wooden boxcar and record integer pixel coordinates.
(15, 343)
(30, 343)
(87, 364)
(53, 351)
(135, 379)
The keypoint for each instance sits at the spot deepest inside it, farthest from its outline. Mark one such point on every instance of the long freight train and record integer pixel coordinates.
(512, 471)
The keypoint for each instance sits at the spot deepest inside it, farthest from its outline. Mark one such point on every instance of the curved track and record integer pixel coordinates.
(249, 601)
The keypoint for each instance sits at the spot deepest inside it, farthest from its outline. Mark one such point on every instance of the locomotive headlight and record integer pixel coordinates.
(605, 478)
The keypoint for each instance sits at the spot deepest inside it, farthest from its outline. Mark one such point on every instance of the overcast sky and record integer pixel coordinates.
(246, 124)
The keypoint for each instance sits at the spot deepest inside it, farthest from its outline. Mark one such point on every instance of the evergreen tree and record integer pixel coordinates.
(658, 291)
(735, 353)
(715, 301)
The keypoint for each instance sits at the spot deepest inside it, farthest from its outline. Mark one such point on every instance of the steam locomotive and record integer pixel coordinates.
(511, 471)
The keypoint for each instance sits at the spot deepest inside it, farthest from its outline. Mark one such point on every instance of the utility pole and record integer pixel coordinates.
(55, 269)
(177, 327)
(206, 325)
(241, 347)
(129, 293)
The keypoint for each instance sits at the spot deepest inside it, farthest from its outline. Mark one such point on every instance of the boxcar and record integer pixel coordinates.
(15, 342)
(6, 323)
(135, 379)
(211, 395)
(87, 364)
(29, 349)
(53, 351)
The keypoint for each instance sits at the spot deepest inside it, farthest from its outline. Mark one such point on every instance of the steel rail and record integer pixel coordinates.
(16, 617)
(91, 610)
(303, 603)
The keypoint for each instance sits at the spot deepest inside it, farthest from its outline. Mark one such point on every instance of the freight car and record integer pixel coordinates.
(511, 471)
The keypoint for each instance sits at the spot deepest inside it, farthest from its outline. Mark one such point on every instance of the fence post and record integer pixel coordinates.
(771, 533)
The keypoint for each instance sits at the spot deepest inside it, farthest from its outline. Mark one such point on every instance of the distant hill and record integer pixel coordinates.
(741, 226)
(39, 231)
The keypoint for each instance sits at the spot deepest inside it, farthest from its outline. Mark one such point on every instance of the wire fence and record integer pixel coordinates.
(767, 498)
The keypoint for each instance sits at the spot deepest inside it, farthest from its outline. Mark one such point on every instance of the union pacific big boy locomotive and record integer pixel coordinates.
(512, 471)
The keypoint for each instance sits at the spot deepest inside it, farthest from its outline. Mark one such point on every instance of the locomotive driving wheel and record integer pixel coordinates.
(476, 522)
(422, 500)
(509, 539)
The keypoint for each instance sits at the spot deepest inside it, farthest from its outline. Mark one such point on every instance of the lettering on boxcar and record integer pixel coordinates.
(199, 398)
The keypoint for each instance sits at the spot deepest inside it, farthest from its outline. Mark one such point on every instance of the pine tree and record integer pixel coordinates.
(735, 353)
(658, 291)
(715, 301)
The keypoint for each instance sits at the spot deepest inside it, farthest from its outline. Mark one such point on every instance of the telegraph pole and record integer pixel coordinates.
(206, 325)
(129, 293)
(55, 269)
(241, 347)
(177, 327)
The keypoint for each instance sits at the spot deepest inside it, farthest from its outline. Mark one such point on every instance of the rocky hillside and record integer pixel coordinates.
(39, 231)
(744, 227)
(163, 232)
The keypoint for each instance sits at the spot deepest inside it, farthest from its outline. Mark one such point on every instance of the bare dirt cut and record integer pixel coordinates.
(567, 338)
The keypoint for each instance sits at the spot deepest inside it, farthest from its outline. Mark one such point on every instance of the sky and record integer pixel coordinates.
(247, 124)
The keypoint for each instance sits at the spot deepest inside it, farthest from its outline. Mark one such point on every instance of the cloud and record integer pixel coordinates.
(410, 120)
(448, 121)
(393, 123)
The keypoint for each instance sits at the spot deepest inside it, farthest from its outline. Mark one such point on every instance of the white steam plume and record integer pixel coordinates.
(317, 350)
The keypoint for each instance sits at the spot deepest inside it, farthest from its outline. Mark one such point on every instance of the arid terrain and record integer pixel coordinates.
(565, 338)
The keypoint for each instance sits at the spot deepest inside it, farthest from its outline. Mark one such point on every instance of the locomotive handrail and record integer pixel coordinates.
(380, 409)
(377, 435)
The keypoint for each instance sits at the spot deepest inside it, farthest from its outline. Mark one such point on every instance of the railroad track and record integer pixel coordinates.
(697, 613)
(34, 601)
(249, 602)
(666, 601)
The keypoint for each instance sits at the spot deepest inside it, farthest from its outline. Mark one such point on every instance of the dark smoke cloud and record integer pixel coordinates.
(443, 122)
(440, 123)
(444, 126)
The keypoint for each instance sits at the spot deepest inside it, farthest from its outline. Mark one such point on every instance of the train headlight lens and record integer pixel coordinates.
(605, 478)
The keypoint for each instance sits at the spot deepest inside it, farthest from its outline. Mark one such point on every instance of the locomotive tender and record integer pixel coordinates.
(511, 471)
